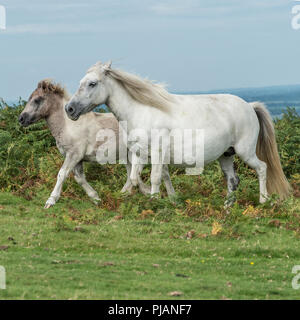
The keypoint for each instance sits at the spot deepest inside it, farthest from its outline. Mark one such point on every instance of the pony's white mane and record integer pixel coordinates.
(142, 90)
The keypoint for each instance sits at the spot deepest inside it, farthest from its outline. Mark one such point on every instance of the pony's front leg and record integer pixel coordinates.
(144, 189)
(128, 185)
(63, 173)
(156, 175)
(135, 173)
(167, 180)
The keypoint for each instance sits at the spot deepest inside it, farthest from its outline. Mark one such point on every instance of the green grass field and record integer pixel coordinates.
(77, 250)
(134, 247)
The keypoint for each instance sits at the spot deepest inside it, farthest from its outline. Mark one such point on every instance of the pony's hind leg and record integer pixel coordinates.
(226, 163)
(81, 180)
(248, 155)
(261, 168)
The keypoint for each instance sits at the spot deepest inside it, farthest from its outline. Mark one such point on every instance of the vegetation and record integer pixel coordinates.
(134, 247)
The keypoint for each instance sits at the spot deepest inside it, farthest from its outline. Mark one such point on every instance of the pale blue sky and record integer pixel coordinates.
(192, 45)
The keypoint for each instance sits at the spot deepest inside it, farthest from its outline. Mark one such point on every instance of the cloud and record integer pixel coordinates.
(47, 29)
(65, 16)
(33, 5)
(195, 7)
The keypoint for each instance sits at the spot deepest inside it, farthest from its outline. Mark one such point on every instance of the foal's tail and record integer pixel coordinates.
(266, 150)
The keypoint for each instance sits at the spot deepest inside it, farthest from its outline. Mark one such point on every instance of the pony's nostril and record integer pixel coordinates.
(71, 110)
(21, 119)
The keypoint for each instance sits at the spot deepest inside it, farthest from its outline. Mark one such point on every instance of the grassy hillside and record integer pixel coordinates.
(134, 247)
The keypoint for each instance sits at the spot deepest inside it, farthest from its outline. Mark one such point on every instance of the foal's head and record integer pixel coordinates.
(44, 100)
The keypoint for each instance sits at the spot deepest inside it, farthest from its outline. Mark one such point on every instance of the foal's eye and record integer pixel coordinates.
(92, 84)
(38, 100)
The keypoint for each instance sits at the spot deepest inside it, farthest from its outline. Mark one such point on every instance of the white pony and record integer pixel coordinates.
(230, 124)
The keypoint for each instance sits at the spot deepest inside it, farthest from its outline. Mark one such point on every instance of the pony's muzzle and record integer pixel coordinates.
(71, 112)
(69, 109)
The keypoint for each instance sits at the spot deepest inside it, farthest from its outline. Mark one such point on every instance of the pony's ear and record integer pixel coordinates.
(106, 66)
(98, 66)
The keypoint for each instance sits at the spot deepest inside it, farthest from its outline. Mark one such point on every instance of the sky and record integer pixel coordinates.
(191, 45)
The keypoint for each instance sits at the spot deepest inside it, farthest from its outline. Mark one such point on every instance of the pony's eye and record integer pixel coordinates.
(92, 84)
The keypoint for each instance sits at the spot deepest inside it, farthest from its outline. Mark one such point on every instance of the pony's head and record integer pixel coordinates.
(92, 91)
(42, 102)
(95, 89)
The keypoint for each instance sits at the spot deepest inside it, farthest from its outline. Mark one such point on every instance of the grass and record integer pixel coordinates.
(134, 247)
(77, 250)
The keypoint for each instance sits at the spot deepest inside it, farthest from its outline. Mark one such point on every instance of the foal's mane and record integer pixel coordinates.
(49, 86)
(142, 90)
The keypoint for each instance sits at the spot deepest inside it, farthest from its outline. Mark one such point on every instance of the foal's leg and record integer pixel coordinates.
(167, 180)
(63, 173)
(80, 179)
(233, 180)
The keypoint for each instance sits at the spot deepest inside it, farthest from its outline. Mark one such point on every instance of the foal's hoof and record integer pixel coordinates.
(173, 198)
(97, 201)
(49, 204)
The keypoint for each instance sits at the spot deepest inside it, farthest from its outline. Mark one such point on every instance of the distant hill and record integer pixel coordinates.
(277, 98)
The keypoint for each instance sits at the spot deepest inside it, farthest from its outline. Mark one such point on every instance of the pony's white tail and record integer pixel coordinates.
(266, 150)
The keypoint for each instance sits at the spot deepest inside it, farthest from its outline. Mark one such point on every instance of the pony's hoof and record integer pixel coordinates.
(263, 199)
(145, 190)
(127, 190)
(228, 204)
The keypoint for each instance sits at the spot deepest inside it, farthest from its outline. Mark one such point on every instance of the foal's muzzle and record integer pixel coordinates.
(24, 119)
